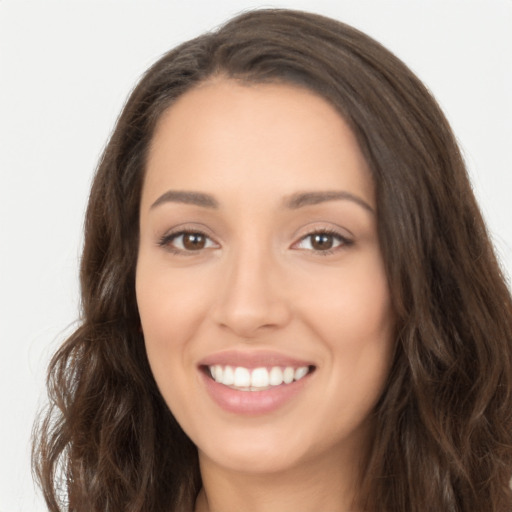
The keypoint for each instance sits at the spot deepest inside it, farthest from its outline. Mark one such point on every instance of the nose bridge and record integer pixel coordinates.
(252, 296)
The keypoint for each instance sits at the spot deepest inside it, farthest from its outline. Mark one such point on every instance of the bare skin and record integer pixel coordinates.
(258, 235)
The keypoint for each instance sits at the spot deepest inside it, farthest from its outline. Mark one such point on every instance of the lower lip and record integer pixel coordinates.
(252, 402)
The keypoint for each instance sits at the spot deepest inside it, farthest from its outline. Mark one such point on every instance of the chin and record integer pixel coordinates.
(250, 460)
(258, 451)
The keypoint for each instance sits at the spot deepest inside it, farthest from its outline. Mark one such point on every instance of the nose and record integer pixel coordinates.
(252, 297)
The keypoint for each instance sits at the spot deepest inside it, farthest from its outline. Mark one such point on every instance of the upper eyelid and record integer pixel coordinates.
(188, 228)
(320, 227)
(172, 235)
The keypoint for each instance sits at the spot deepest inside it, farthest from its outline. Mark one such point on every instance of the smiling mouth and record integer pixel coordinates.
(240, 378)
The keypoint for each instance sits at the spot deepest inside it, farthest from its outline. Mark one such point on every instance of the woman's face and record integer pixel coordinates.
(260, 282)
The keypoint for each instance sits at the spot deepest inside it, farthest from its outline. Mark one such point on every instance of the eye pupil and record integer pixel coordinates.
(321, 242)
(194, 241)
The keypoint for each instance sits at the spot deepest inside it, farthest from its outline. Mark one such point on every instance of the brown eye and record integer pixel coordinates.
(322, 241)
(187, 242)
(193, 241)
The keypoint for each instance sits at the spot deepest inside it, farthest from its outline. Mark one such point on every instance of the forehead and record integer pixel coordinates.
(253, 137)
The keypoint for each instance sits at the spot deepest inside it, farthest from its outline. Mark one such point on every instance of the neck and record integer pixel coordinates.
(315, 485)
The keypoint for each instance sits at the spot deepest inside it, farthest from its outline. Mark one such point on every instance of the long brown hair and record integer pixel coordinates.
(443, 427)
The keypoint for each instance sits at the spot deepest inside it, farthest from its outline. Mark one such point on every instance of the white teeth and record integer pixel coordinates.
(288, 374)
(242, 377)
(217, 372)
(228, 376)
(258, 378)
(276, 376)
(301, 372)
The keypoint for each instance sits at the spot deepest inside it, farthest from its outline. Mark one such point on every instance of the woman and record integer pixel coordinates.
(290, 301)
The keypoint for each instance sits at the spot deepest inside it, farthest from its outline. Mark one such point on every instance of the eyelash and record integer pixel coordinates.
(344, 241)
(166, 241)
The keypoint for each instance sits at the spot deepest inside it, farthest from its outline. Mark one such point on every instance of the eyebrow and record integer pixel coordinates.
(302, 199)
(195, 198)
(293, 202)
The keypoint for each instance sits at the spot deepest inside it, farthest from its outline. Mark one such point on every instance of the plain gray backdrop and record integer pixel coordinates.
(66, 68)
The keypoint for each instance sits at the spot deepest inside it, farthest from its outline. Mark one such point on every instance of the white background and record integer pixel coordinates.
(66, 68)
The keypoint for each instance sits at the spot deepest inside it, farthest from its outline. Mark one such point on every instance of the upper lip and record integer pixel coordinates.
(253, 359)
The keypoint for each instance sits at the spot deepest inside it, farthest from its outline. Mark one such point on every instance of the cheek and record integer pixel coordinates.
(355, 322)
(171, 309)
(352, 307)
(169, 302)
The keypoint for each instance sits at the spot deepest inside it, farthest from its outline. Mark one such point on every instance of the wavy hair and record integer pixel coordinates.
(443, 426)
